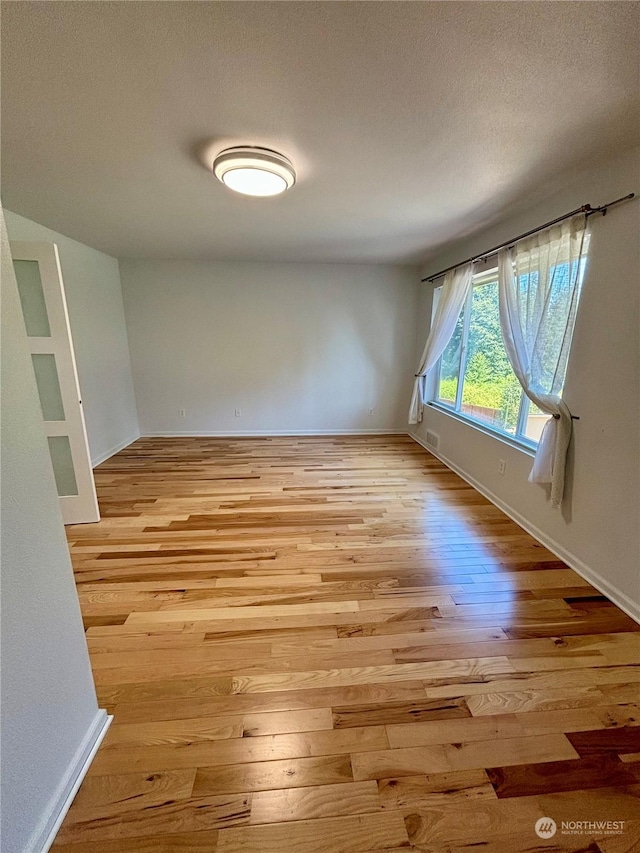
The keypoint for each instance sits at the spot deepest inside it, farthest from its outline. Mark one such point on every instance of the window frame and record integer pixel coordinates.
(518, 439)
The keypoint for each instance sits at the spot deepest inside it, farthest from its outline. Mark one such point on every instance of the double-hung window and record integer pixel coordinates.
(474, 377)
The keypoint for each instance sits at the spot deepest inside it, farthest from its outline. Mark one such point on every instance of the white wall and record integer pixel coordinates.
(597, 532)
(296, 347)
(50, 717)
(96, 314)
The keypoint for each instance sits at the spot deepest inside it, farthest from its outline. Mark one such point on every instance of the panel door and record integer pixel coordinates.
(46, 319)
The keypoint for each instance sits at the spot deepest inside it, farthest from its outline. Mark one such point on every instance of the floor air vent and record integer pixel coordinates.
(433, 439)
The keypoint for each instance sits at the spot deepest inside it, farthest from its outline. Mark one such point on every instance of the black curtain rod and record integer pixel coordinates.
(585, 208)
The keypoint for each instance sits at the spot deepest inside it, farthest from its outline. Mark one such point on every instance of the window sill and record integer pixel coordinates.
(505, 438)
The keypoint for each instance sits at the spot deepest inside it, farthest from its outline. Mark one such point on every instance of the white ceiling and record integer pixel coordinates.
(409, 123)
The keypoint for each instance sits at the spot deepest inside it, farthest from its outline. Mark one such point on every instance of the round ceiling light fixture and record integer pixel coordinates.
(254, 171)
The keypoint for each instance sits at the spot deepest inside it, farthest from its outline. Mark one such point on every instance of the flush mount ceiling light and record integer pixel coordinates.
(254, 171)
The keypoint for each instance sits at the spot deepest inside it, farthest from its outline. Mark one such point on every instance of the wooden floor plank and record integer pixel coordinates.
(205, 813)
(177, 707)
(548, 777)
(153, 759)
(579, 721)
(352, 834)
(133, 790)
(409, 793)
(388, 713)
(183, 842)
(320, 801)
(270, 775)
(443, 758)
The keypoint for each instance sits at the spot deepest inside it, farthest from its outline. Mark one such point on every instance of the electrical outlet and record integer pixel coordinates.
(238, 412)
(371, 410)
(502, 466)
(182, 413)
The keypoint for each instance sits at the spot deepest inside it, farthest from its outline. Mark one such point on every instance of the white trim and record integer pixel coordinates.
(520, 444)
(630, 607)
(113, 450)
(267, 433)
(44, 835)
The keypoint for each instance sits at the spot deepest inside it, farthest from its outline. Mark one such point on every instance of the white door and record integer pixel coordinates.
(44, 308)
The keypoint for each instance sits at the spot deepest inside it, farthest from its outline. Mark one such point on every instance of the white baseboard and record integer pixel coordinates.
(270, 433)
(630, 607)
(113, 450)
(45, 833)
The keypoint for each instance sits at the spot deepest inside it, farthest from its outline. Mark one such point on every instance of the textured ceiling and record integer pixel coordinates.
(409, 123)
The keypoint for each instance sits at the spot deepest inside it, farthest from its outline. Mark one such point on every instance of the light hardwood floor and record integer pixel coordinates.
(335, 645)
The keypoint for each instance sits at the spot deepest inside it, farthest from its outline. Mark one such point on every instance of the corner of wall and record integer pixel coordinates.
(60, 803)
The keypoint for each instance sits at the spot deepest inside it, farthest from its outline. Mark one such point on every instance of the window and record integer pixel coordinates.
(475, 378)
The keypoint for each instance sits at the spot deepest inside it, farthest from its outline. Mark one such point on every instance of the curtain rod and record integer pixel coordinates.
(585, 208)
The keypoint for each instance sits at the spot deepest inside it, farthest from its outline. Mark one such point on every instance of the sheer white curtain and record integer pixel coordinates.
(539, 282)
(452, 297)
